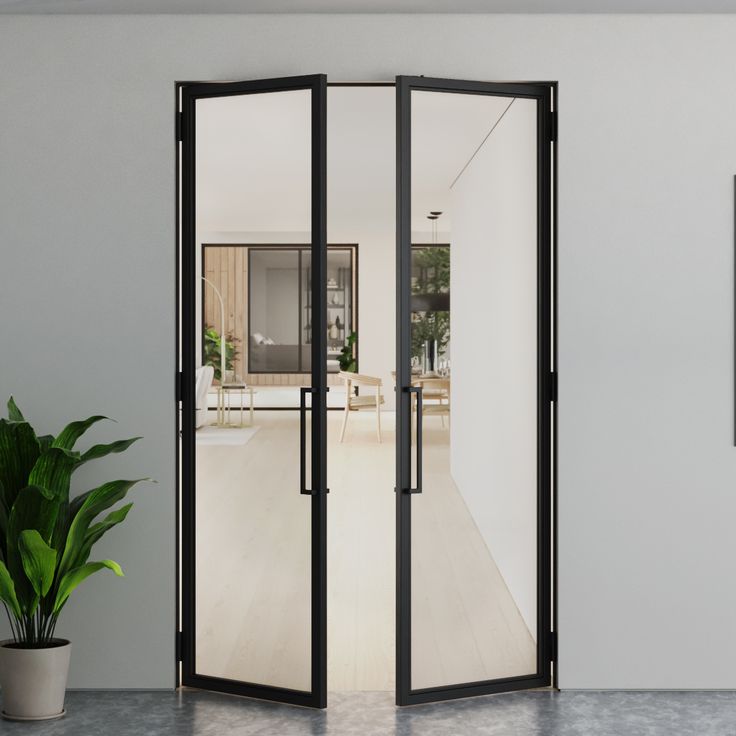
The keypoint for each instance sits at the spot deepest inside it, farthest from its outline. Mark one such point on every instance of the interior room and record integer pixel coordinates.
(512, 511)
(476, 569)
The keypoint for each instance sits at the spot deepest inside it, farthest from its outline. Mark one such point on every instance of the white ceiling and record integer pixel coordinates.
(366, 6)
(253, 159)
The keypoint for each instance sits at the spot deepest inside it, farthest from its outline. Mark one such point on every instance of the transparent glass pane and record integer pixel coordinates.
(339, 304)
(474, 354)
(274, 308)
(252, 527)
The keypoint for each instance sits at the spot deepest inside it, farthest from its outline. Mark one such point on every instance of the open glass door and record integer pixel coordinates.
(474, 380)
(253, 536)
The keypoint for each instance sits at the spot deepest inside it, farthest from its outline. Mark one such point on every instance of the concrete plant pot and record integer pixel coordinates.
(33, 681)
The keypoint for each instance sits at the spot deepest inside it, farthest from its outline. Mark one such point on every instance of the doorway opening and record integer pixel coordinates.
(366, 343)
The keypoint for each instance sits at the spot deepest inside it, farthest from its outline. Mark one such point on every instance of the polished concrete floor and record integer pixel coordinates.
(191, 713)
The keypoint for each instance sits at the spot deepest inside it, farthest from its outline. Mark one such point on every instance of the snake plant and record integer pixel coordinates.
(45, 537)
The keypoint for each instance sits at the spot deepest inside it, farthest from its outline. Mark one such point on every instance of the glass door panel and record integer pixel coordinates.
(339, 304)
(274, 301)
(253, 500)
(473, 440)
(307, 312)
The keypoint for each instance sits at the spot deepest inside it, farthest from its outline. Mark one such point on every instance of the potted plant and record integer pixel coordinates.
(213, 349)
(346, 358)
(430, 300)
(45, 542)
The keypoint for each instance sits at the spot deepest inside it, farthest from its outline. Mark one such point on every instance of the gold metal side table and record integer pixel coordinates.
(224, 404)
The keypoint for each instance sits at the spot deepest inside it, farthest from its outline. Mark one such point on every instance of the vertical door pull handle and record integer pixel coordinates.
(303, 440)
(418, 391)
(303, 391)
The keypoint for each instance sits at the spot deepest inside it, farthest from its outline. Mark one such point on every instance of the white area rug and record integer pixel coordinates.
(225, 435)
(273, 397)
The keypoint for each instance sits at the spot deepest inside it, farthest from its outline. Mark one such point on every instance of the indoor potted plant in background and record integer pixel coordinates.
(346, 358)
(213, 349)
(45, 543)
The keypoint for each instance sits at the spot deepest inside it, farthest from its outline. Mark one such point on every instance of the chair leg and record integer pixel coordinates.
(442, 416)
(344, 424)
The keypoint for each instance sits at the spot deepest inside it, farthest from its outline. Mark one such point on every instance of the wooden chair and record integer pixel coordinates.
(436, 391)
(366, 401)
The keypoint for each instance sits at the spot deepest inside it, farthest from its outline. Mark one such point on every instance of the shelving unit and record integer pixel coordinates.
(341, 288)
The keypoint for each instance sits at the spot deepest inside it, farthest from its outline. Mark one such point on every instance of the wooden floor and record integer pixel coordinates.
(253, 555)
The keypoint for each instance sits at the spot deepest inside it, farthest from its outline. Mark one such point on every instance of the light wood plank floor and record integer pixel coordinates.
(253, 566)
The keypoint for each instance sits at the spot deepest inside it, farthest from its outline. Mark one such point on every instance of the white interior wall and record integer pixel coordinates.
(493, 274)
(647, 155)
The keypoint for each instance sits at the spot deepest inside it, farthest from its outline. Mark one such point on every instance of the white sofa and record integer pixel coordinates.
(202, 384)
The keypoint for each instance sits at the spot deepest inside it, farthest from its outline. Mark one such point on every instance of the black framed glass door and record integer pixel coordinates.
(474, 380)
(253, 530)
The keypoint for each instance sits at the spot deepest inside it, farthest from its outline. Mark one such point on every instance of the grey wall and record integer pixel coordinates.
(647, 152)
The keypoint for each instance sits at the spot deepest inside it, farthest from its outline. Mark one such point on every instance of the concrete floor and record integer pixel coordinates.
(191, 713)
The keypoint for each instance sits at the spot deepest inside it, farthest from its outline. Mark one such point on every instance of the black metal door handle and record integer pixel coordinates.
(418, 391)
(304, 390)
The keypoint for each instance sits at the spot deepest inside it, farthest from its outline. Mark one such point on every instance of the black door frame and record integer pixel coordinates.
(189, 93)
(547, 387)
(545, 95)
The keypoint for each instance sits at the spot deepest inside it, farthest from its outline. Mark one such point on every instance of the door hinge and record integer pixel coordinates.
(553, 386)
(553, 126)
(179, 382)
(179, 646)
(179, 126)
(552, 646)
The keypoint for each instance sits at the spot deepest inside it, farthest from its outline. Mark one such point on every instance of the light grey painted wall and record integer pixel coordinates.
(647, 152)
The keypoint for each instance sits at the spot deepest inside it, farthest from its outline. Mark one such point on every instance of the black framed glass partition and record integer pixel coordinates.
(474, 433)
(253, 557)
(280, 309)
(474, 381)
(266, 307)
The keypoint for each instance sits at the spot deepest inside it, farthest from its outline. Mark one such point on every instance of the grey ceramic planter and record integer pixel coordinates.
(33, 681)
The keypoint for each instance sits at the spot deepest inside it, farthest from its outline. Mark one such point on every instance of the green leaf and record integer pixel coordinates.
(14, 413)
(97, 531)
(61, 527)
(74, 577)
(3, 521)
(58, 540)
(7, 591)
(72, 432)
(92, 503)
(34, 508)
(45, 441)
(39, 561)
(53, 469)
(19, 451)
(97, 451)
